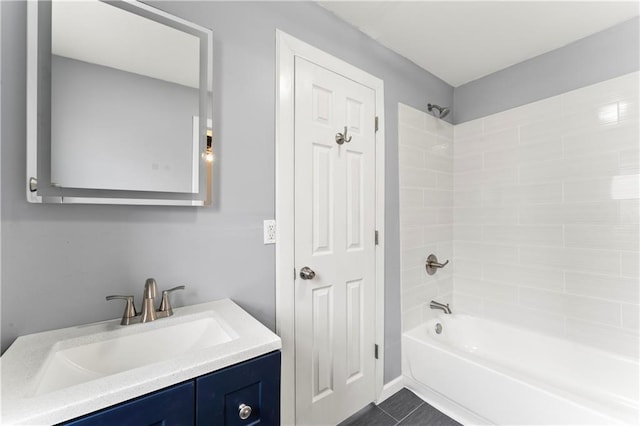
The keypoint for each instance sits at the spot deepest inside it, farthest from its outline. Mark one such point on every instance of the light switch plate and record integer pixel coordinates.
(269, 231)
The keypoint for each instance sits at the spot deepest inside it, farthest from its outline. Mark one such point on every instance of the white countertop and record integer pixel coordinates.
(23, 361)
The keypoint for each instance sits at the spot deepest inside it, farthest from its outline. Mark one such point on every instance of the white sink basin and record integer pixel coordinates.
(68, 367)
(58, 375)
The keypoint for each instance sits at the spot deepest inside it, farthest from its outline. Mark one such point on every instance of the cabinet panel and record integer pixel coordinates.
(172, 406)
(255, 383)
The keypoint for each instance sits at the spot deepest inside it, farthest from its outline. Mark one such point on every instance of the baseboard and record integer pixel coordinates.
(390, 388)
(444, 404)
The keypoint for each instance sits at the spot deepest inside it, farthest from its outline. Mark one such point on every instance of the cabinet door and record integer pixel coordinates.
(254, 383)
(172, 406)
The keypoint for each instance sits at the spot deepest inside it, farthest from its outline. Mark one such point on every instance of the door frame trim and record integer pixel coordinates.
(287, 48)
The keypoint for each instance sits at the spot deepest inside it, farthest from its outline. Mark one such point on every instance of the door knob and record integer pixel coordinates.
(307, 273)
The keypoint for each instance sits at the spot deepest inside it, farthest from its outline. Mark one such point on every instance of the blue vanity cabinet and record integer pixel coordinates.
(212, 399)
(221, 396)
(171, 406)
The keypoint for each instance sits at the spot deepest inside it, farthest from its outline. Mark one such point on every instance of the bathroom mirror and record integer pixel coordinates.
(115, 95)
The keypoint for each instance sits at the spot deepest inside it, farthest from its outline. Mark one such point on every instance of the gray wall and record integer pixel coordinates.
(601, 56)
(58, 262)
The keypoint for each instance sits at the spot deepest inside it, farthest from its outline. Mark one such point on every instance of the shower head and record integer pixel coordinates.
(442, 111)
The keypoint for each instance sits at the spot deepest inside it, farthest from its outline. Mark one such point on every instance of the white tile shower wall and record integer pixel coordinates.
(545, 230)
(426, 211)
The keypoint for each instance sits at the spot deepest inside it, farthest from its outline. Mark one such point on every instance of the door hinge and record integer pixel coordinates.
(375, 351)
(294, 274)
(376, 124)
(376, 237)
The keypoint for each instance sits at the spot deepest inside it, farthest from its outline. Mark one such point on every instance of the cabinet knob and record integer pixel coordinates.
(245, 411)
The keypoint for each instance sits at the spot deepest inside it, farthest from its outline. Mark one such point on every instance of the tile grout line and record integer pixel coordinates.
(408, 414)
(393, 418)
(384, 411)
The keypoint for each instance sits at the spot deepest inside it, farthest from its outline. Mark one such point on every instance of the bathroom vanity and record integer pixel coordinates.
(245, 393)
(210, 363)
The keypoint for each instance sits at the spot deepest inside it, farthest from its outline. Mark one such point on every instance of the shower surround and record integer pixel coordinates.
(425, 154)
(541, 203)
(546, 215)
(537, 207)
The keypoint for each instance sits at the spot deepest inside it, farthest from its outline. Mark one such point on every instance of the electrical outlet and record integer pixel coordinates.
(269, 231)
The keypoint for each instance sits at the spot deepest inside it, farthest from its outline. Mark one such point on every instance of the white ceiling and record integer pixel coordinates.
(460, 41)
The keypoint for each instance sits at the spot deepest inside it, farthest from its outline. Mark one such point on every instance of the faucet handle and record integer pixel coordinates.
(433, 265)
(129, 309)
(165, 304)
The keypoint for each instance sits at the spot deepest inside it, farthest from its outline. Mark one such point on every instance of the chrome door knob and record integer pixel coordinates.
(245, 411)
(307, 273)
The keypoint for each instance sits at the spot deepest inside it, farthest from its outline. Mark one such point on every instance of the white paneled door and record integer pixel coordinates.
(334, 245)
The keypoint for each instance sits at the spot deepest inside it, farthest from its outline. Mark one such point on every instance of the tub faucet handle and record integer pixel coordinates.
(433, 265)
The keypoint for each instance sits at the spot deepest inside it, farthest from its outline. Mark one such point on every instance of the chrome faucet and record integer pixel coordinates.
(149, 301)
(437, 305)
(148, 311)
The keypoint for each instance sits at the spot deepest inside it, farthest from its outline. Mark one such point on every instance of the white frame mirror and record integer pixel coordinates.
(47, 161)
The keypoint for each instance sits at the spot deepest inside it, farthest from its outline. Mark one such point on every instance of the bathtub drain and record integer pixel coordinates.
(438, 328)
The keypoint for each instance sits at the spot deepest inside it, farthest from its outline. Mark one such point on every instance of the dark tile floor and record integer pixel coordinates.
(403, 408)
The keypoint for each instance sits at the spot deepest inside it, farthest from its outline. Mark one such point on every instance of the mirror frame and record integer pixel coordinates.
(38, 186)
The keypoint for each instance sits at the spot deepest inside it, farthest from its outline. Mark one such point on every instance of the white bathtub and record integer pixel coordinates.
(484, 372)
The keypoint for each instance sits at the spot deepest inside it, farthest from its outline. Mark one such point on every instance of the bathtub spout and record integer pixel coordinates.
(437, 305)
